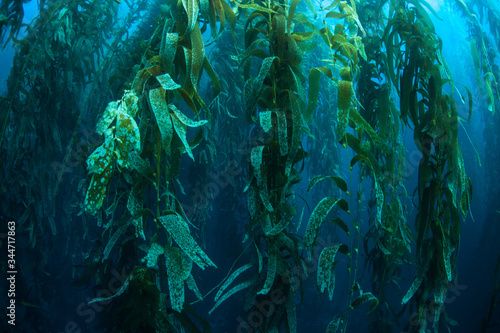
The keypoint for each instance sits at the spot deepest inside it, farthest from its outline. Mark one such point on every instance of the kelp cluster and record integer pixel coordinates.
(156, 133)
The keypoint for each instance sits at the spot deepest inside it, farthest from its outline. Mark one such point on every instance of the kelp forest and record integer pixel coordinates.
(250, 166)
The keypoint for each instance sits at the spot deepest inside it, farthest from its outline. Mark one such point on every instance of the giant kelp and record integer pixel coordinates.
(159, 136)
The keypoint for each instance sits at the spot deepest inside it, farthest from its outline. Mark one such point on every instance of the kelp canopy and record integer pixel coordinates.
(260, 153)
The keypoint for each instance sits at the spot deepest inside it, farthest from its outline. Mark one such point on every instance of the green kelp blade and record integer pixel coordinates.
(379, 193)
(265, 118)
(102, 157)
(151, 259)
(282, 132)
(255, 7)
(107, 118)
(231, 278)
(178, 270)
(112, 241)
(260, 176)
(198, 54)
(314, 81)
(363, 298)
(254, 85)
(167, 82)
(360, 121)
(134, 204)
(168, 48)
(185, 120)
(178, 228)
(141, 165)
(326, 267)
(128, 138)
(291, 13)
(341, 224)
(334, 325)
(192, 8)
(162, 115)
(191, 283)
(230, 16)
(180, 129)
(217, 4)
(234, 290)
(469, 96)
(121, 291)
(272, 265)
(352, 12)
(101, 163)
(339, 181)
(318, 217)
(420, 275)
(336, 15)
(213, 77)
(489, 92)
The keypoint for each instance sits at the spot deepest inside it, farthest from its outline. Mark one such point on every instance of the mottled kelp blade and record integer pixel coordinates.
(213, 77)
(198, 49)
(291, 13)
(107, 118)
(100, 162)
(273, 255)
(326, 267)
(379, 193)
(113, 239)
(234, 290)
(352, 12)
(168, 48)
(361, 122)
(162, 115)
(265, 118)
(121, 291)
(341, 224)
(363, 298)
(128, 138)
(180, 129)
(334, 325)
(253, 87)
(178, 270)
(429, 253)
(230, 279)
(255, 7)
(282, 132)
(167, 82)
(192, 8)
(344, 99)
(178, 228)
(134, 204)
(260, 176)
(151, 259)
(231, 17)
(318, 217)
(185, 120)
(314, 81)
(102, 157)
(490, 99)
(339, 181)
(336, 15)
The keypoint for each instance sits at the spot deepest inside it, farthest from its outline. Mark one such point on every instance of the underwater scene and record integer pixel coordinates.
(250, 166)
